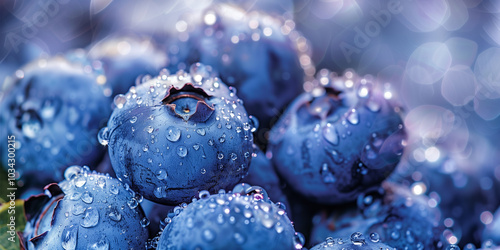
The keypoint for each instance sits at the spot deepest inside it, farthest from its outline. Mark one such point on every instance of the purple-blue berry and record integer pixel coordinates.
(337, 140)
(174, 135)
(88, 210)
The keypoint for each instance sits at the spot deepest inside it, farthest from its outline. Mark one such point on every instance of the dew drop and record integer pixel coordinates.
(102, 244)
(91, 218)
(149, 129)
(132, 203)
(31, 124)
(326, 174)
(120, 100)
(173, 133)
(182, 151)
(374, 237)
(87, 197)
(69, 237)
(161, 174)
(133, 119)
(203, 171)
(101, 182)
(78, 209)
(204, 194)
(71, 172)
(196, 146)
(145, 222)
(103, 136)
(113, 189)
(357, 239)
(299, 240)
(114, 214)
(201, 131)
(373, 106)
(353, 117)
(330, 134)
(220, 156)
(254, 123)
(233, 156)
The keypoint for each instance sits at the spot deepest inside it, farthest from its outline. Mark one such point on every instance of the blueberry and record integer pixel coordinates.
(54, 108)
(174, 135)
(124, 58)
(401, 219)
(356, 241)
(337, 140)
(242, 219)
(88, 210)
(261, 173)
(255, 52)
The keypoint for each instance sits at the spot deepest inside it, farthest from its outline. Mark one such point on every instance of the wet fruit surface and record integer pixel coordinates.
(174, 135)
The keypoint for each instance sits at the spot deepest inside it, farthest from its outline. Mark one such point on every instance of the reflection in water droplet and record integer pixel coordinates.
(353, 117)
(114, 214)
(201, 131)
(91, 218)
(87, 197)
(31, 124)
(357, 239)
(120, 100)
(69, 237)
(182, 151)
(330, 134)
(173, 133)
(103, 136)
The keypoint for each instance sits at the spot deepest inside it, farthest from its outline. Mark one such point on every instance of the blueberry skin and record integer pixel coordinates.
(126, 57)
(337, 140)
(261, 173)
(229, 221)
(400, 218)
(264, 68)
(356, 241)
(54, 108)
(177, 134)
(88, 210)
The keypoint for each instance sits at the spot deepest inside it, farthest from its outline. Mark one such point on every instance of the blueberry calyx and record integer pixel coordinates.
(188, 103)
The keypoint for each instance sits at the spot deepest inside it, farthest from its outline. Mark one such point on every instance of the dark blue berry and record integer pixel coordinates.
(242, 219)
(88, 210)
(174, 135)
(54, 108)
(337, 140)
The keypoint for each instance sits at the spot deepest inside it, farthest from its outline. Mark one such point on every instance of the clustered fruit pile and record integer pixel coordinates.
(134, 132)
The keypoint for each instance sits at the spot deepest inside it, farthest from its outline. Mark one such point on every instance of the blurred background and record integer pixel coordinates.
(439, 58)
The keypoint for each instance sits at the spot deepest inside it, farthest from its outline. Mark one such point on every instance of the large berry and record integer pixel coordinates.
(242, 219)
(357, 241)
(54, 108)
(174, 135)
(124, 58)
(337, 140)
(264, 57)
(401, 219)
(88, 210)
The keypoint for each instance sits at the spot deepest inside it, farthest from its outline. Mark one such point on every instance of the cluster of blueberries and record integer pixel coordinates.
(148, 145)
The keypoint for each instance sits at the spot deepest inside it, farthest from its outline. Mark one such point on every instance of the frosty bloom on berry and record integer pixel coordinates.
(337, 140)
(55, 108)
(88, 210)
(174, 135)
